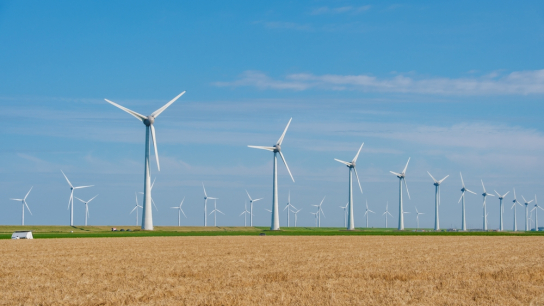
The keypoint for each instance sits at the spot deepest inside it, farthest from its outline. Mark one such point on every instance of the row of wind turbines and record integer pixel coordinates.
(276, 149)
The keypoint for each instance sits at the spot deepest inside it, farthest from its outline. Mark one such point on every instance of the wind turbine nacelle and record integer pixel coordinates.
(436, 184)
(277, 148)
(149, 120)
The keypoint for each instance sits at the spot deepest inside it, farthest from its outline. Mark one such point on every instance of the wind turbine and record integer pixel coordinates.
(245, 212)
(526, 213)
(536, 214)
(275, 222)
(463, 190)
(251, 208)
(215, 211)
(296, 212)
(367, 212)
(485, 194)
(436, 200)
(147, 217)
(86, 207)
(23, 202)
(402, 177)
(136, 209)
(315, 214)
(501, 209)
(71, 201)
(515, 210)
(206, 198)
(345, 214)
(288, 208)
(386, 213)
(351, 166)
(180, 211)
(417, 217)
(320, 210)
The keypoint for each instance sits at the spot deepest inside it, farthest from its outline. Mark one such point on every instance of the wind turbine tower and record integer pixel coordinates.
(417, 217)
(180, 211)
(536, 214)
(71, 201)
(319, 210)
(206, 198)
(463, 190)
(526, 213)
(345, 214)
(402, 178)
(23, 202)
(148, 121)
(351, 166)
(136, 209)
(275, 222)
(485, 194)
(515, 210)
(215, 211)
(501, 228)
(386, 213)
(367, 212)
(436, 200)
(86, 207)
(251, 201)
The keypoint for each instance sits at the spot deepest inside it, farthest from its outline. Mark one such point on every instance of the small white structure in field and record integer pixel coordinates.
(22, 235)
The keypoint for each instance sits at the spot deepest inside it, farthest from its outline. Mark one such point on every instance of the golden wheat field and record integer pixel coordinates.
(363, 270)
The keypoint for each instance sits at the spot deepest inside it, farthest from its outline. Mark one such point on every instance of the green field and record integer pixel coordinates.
(105, 231)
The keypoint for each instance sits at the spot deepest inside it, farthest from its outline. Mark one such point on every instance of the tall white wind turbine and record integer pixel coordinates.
(417, 217)
(319, 210)
(180, 211)
(147, 217)
(515, 229)
(402, 178)
(136, 209)
(71, 201)
(86, 207)
(23, 202)
(251, 201)
(463, 190)
(345, 214)
(206, 198)
(437, 200)
(536, 213)
(351, 166)
(215, 211)
(367, 212)
(386, 213)
(501, 207)
(485, 194)
(526, 213)
(275, 222)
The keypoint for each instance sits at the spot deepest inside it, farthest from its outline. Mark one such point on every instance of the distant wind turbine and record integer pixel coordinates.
(536, 214)
(417, 217)
(386, 213)
(463, 190)
(501, 197)
(315, 214)
(345, 214)
(71, 201)
(215, 211)
(351, 166)
(136, 209)
(180, 211)
(437, 200)
(320, 210)
(526, 213)
(367, 212)
(244, 213)
(251, 201)
(402, 178)
(206, 198)
(296, 212)
(147, 217)
(288, 207)
(485, 194)
(86, 207)
(515, 210)
(275, 222)
(23, 202)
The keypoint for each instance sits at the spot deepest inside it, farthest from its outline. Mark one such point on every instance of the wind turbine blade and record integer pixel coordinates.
(17, 199)
(133, 113)
(71, 199)
(529, 202)
(248, 195)
(462, 182)
(80, 200)
(155, 145)
(515, 193)
(395, 173)
(183, 212)
(432, 177)
(524, 199)
(257, 200)
(156, 113)
(154, 204)
(483, 186)
(509, 192)
(513, 205)
(153, 184)
(28, 193)
(67, 179)
(284, 131)
(220, 212)
(371, 211)
(79, 187)
(470, 191)
(497, 193)
(204, 190)
(407, 191)
(357, 156)
(268, 210)
(27, 207)
(343, 162)
(242, 214)
(462, 194)
(133, 209)
(181, 202)
(210, 198)
(440, 182)
(357, 175)
(286, 166)
(262, 148)
(405, 167)
(389, 214)
(91, 199)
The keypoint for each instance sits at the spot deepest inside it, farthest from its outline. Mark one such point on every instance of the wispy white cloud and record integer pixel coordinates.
(340, 10)
(515, 83)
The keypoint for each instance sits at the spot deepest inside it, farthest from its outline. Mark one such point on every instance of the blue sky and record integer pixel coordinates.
(456, 86)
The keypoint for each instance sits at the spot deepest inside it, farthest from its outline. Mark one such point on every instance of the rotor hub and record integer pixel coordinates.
(149, 120)
(277, 148)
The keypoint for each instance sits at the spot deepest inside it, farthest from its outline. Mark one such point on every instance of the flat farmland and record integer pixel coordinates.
(274, 270)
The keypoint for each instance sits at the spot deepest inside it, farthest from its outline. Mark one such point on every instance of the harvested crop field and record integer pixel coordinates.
(339, 270)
